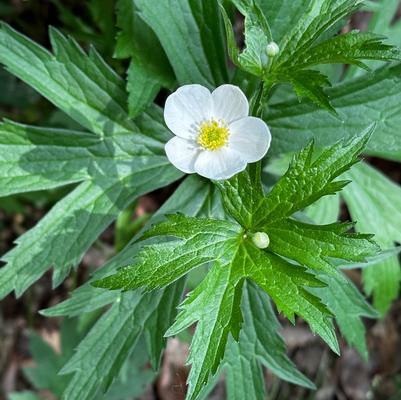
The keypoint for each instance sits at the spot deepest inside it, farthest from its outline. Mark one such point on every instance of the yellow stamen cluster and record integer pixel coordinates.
(212, 135)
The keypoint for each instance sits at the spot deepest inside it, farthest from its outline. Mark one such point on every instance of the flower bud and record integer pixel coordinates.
(272, 49)
(261, 240)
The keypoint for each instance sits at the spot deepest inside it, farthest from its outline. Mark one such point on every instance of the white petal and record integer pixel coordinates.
(186, 108)
(219, 164)
(229, 103)
(250, 136)
(182, 154)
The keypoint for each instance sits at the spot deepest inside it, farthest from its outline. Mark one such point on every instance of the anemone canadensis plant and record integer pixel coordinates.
(271, 144)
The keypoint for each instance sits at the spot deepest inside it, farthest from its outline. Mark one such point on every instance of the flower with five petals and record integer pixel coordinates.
(215, 137)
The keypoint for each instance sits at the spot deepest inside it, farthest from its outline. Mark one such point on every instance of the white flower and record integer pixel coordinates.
(215, 137)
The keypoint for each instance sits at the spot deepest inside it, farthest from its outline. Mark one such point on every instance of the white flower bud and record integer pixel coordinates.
(261, 240)
(272, 49)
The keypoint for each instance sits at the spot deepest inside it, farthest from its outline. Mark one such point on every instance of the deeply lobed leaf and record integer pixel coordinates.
(307, 180)
(160, 264)
(114, 164)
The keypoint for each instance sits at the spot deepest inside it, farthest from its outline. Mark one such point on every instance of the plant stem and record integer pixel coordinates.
(256, 101)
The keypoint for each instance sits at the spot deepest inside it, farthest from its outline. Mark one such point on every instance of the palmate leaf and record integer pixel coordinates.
(299, 50)
(306, 45)
(112, 165)
(194, 197)
(215, 303)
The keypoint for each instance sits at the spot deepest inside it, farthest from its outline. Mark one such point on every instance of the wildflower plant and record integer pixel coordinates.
(265, 238)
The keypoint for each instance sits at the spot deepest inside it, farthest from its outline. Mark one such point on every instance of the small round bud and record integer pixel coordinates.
(272, 49)
(261, 240)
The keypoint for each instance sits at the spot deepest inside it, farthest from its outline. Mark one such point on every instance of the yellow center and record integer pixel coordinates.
(212, 135)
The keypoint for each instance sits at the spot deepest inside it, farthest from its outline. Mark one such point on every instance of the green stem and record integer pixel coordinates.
(256, 100)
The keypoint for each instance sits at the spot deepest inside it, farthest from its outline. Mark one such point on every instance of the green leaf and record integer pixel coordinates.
(23, 396)
(83, 214)
(243, 195)
(206, 14)
(305, 46)
(215, 300)
(157, 265)
(348, 305)
(190, 33)
(100, 356)
(135, 376)
(348, 48)
(253, 58)
(312, 245)
(30, 158)
(150, 313)
(149, 68)
(325, 211)
(373, 260)
(372, 98)
(215, 303)
(81, 85)
(233, 50)
(281, 271)
(48, 362)
(259, 344)
(194, 197)
(83, 300)
(372, 200)
(284, 283)
(306, 83)
(282, 14)
(317, 19)
(113, 167)
(307, 180)
(35, 158)
(382, 21)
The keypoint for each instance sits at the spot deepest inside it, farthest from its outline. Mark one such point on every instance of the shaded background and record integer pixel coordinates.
(28, 340)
